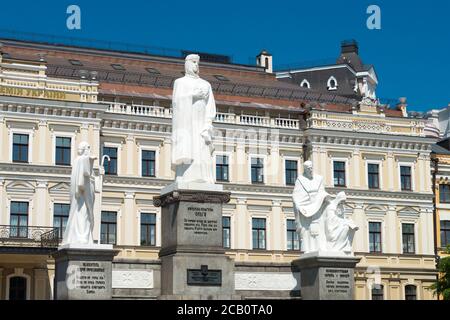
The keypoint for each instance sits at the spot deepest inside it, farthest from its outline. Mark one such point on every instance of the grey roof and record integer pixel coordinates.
(439, 150)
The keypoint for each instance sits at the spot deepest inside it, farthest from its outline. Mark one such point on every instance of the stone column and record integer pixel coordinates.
(241, 170)
(241, 224)
(165, 162)
(129, 232)
(357, 176)
(276, 177)
(392, 241)
(277, 231)
(391, 169)
(130, 151)
(41, 214)
(43, 143)
(84, 133)
(360, 239)
(96, 143)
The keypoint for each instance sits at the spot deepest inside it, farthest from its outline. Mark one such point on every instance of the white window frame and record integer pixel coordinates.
(418, 297)
(229, 155)
(298, 159)
(72, 145)
(30, 134)
(288, 217)
(380, 175)
(30, 209)
(18, 272)
(118, 211)
(347, 181)
(260, 216)
(229, 215)
(416, 235)
(307, 83)
(383, 235)
(329, 87)
(148, 148)
(264, 157)
(157, 220)
(119, 149)
(406, 164)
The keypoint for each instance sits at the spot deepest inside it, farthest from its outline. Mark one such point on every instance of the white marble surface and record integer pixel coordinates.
(267, 281)
(132, 279)
(92, 246)
(181, 185)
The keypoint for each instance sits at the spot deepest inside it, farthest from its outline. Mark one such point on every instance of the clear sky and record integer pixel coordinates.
(410, 52)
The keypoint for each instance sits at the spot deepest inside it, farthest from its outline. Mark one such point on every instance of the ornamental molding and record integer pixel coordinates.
(132, 279)
(282, 281)
(20, 187)
(191, 196)
(60, 188)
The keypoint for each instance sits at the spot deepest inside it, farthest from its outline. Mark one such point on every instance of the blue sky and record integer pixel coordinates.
(411, 52)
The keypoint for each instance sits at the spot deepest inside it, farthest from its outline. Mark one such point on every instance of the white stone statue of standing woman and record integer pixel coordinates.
(79, 229)
(194, 110)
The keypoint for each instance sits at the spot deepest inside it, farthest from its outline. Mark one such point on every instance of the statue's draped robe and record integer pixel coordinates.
(81, 217)
(192, 116)
(309, 195)
(339, 230)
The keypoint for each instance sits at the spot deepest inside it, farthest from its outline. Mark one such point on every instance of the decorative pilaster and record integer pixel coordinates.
(241, 225)
(41, 216)
(130, 152)
(128, 230)
(277, 226)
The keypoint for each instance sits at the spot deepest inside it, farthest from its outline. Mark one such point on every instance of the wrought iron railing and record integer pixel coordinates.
(29, 236)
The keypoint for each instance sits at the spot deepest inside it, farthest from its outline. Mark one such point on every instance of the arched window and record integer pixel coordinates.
(377, 292)
(410, 292)
(332, 83)
(305, 84)
(17, 288)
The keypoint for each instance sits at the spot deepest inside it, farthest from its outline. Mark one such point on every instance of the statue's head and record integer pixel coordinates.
(308, 169)
(84, 148)
(191, 65)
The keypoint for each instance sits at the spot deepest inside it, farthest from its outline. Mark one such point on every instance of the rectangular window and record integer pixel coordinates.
(111, 165)
(259, 233)
(222, 173)
(444, 193)
(226, 232)
(62, 152)
(148, 229)
(108, 227)
(148, 163)
(60, 217)
(373, 175)
(19, 220)
(20, 147)
(445, 233)
(339, 173)
(408, 238)
(293, 242)
(291, 172)
(257, 170)
(405, 178)
(410, 292)
(374, 236)
(377, 292)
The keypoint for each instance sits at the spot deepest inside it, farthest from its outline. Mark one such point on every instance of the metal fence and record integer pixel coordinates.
(27, 236)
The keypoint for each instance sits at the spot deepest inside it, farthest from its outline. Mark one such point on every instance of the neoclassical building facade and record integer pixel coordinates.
(54, 97)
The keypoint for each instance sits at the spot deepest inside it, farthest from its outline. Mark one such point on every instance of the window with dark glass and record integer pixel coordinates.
(111, 165)
(60, 217)
(20, 147)
(444, 193)
(108, 229)
(259, 233)
(226, 236)
(445, 233)
(410, 292)
(222, 168)
(148, 163)
(293, 241)
(339, 173)
(375, 236)
(377, 292)
(291, 172)
(19, 219)
(17, 288)
(148, 229)
(408, 238)
(257, 170)
(117, 66)
(373, 175)
(405, 177)
(62, 152)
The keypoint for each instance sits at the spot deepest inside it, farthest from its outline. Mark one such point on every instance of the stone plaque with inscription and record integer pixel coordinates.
(83, 274)
(326, 277)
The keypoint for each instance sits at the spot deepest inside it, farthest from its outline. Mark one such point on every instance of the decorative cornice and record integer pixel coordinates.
(191, 196)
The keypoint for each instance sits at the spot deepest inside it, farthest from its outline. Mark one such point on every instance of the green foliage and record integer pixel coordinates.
(442, 286)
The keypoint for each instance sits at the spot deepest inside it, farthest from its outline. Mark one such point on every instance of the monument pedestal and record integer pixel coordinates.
(83, 272)
(193, 261)
(326, 276)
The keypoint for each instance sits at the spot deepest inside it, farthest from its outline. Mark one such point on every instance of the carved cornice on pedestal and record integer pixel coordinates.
(191, 196)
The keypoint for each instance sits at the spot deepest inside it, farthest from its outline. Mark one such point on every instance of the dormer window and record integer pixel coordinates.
(152, 70)
(305, 84)
(116, 66)
(221, 77)
(332, 83)
(75, 62)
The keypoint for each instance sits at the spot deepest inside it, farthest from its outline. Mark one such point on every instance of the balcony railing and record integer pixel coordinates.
(221, 117)
(26, 236)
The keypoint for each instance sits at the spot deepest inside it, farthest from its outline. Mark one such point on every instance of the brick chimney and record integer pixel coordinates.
(349, 46)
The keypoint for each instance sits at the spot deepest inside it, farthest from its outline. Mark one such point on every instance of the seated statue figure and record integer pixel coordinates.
(339, 230)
